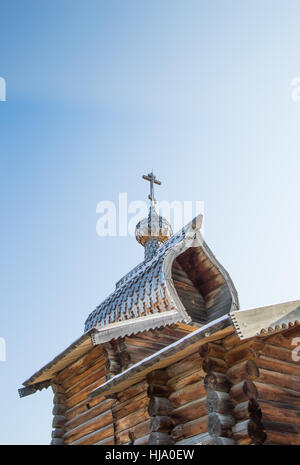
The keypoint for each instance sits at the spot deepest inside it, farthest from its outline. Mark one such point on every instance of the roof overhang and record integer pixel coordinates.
(262, 322)
(266, 320)
(212, 331)
(41, 379)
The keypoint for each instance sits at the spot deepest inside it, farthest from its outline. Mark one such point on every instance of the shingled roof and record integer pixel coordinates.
(149, 288)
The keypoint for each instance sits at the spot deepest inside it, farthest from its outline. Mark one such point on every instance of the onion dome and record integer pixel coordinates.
(153, 230)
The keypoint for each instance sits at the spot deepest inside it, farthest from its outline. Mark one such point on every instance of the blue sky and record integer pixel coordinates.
(98, 93)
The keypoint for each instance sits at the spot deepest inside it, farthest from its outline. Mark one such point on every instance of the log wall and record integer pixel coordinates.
(265, 389)
(188, 397)
(226, 392)
(86, 422)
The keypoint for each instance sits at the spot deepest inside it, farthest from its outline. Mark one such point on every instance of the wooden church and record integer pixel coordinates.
(168, 357)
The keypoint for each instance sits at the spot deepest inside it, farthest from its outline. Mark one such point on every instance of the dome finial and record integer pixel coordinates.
(154, 230)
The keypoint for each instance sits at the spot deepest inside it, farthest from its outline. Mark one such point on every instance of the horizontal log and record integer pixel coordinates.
(58, 433)
(278, 366)
(280, 379)
(220, 441)
(81, 364)
(159, 377)
(133, 391)
(281, 340)
(245, 351)
(95, 436)
(219, 425)
(280, 353)
(247, 410)
(191, 428)
(59, 409)
(132, 419)
(160, 439)
(59, 421)
(219, 402)
(211, 349)
(157, 390)
(283, 413)
(142, 441)
(84, 373)
(187, 394)
(279, 394)
(122, 409)
(243, 391)
(279, 426)
(59, 398)
(199, 439)
(216, 382)
(134, 341)
(56, 387)
(282, 438)
(97, 423)
(135, 432)
(110, 441)
(161, 424)
(83, 406)
(96, 375)
(190, 411)
(230, 341)
(248, 432)
(139, 353)
(214, 364)
(57, 442)
(159, 406)
(186, 378)
(82, 395)
(191, 363)
(88, 414)
(243, 371)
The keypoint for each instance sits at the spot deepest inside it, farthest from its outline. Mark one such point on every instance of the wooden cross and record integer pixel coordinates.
(152, 179)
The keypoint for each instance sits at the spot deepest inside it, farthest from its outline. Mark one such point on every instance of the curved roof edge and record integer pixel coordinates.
(149, 290)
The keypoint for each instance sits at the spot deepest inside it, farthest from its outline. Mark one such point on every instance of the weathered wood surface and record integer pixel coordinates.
(249, 432)
(190, 428)
(71, 372)
(88, 414)
(187, 394)
(59, 416)
(160, 408)
(189, 411)
(89, 426)
(214, 381)
(161, 424)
